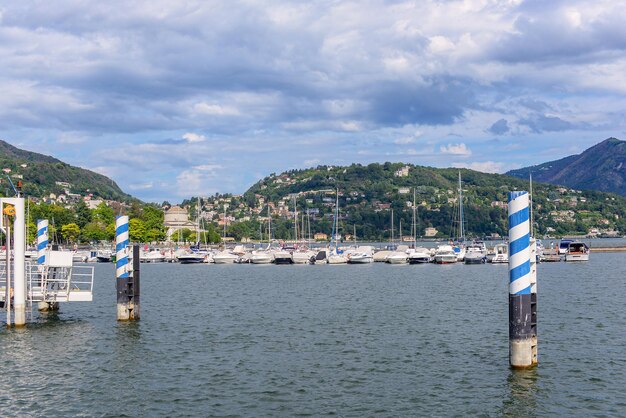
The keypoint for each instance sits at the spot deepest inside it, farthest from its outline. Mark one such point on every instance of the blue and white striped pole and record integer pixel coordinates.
(121, 266)
(121, 242)
(42, 240)
(520, 316)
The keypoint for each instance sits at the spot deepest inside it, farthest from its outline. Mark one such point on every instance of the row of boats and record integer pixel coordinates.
(474, 252)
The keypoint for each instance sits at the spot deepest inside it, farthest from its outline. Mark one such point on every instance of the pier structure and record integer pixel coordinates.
(126, 273)
(522, 345)
(14, 208)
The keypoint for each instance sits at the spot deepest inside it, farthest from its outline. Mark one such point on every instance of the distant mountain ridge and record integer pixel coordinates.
(601, 167)
(41, 174)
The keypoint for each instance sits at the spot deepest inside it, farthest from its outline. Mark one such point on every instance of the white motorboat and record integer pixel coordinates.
(284, 256)
(476, 253)
(337, 257)
(225, 257)
(397, 257)
(192, 257)
(320, 257)
(152, 256)
(104, 256)
(361, 255)
(577, 251)
(420, 255)
(445, 255)
(501, 254)
(262, 257)
(302, 256)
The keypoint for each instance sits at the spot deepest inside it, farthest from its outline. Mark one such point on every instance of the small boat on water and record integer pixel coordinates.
(225, 257)
(445, 254)
(104, 256)
(302, 256)
(361, 255)
(320, 257)
(192, 257)
(262, 257)
(152, 256)
(577, 251)
(284, 255)
(420, 255)
(501, 254)
(399, 256)
(476, 253)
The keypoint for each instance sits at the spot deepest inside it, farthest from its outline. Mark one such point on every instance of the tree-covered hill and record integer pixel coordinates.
(41, 175)
(368, 193)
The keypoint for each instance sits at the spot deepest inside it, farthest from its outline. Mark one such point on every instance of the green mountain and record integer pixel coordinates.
(40, 175)
(368, 193)
(601, 167)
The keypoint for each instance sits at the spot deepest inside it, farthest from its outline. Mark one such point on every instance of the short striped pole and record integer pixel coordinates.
(520, 316)
(42, 240)
(121, 266)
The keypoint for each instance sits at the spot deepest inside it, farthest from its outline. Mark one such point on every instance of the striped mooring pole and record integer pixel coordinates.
(522, 323)
(42, 240)
(127, 276)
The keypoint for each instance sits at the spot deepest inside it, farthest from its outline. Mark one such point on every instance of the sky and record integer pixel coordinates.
(174, 99)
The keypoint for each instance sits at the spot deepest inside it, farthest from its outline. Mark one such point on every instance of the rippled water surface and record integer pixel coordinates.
(370, 340)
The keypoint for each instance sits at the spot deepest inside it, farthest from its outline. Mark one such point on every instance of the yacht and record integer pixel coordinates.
(577, 251)
(337, 257)
(399, 256)
(445, 255)
(319, 258)
(501, 254)
(104, 256)
(192, 257)
(361, 255)
(302, 256)
(476, 253)
(152, 256)
(284, 255)
(225, 257)
(420, 255)
(262, 257)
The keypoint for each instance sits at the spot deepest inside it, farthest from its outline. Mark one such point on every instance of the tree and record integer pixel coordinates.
(83, 214)
(136, 230)
(94, 231)
(70, 232)
(103, 214)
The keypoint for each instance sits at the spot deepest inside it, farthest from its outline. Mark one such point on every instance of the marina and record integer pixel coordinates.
(348, 340)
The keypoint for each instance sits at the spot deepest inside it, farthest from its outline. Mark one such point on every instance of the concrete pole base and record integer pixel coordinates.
(123, 313)
(19, 315)
(521, 354)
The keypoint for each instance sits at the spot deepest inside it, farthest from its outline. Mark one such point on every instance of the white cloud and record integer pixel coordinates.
(487, 166)
(215, 109)
(191, 137)
(456, 149)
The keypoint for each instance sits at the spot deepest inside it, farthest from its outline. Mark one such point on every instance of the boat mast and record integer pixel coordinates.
(414, 226)
(461, 226)
(224, 233)
(198, 224)
(295, 220)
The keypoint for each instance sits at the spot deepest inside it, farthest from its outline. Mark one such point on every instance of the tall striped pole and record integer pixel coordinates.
(121, 266)
(42, 240)
(520, 316)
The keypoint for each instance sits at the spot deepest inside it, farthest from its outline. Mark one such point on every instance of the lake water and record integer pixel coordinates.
(357, 340)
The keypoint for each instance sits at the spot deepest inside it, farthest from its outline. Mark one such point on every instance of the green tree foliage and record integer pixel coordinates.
(70, 232)
(136, 230)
